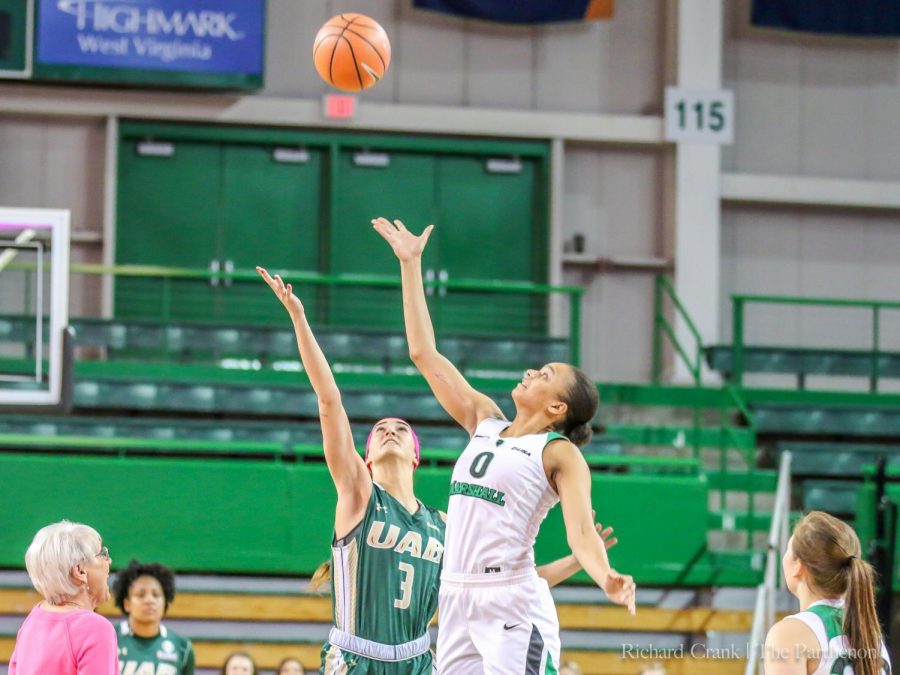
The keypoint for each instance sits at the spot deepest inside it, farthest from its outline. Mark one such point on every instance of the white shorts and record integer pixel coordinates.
(497, 624)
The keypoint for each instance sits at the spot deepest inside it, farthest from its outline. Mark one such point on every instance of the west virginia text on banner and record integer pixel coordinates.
(879, 18)
(523, 11)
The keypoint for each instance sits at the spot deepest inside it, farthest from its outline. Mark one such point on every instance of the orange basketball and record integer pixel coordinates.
(352, 52)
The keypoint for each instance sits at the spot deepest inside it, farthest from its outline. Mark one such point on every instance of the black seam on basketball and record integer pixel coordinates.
(348, 24)
(355, 64)
(321, 40)
(368, 42)
(331, 62)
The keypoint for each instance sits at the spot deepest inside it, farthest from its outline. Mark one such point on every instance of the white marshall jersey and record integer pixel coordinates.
(499, 496)
(824, 619)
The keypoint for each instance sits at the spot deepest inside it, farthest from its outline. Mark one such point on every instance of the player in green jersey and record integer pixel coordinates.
(836, 631)
(143, 591)
(388, 547)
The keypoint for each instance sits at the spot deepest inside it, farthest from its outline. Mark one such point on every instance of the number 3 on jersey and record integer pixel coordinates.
(480, 464)
(409, 573)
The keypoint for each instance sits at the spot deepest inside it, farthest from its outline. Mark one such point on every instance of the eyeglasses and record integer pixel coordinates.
(104, 553)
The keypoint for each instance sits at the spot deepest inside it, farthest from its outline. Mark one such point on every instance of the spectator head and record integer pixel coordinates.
(66, 560)
(143, 591)
(239, 663)
(290, 666)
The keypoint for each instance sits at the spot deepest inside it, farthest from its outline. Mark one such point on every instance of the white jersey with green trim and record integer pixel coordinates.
(824, 619)
(499, 496)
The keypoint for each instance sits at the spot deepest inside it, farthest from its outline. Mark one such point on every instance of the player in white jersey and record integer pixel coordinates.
(837, 631)
(496, 614)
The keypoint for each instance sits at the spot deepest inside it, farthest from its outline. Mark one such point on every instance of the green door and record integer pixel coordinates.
(168, 214)
(403, 189)
(271, 212)
(488, 228)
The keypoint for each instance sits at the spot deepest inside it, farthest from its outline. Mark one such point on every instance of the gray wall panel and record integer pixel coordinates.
(811, 254)
(612, 198)
(498, 66)
(814, 105)
(433, 57)
(53, 164)
(596, 66)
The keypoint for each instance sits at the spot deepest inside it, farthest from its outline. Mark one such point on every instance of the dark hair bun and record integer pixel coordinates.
(581, 435)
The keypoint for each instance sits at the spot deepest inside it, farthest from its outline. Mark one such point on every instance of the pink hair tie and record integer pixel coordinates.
(411, 430)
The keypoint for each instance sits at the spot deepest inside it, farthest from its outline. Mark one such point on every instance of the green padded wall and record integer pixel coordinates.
(268, 517)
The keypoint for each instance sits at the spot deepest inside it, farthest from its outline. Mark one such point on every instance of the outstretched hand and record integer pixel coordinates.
(406, 245)
(605, 533)
(284, 292)
(621, 590)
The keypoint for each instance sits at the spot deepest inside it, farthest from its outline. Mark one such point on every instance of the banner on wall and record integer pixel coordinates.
(523, 11)
(199, 42)
(876, 18)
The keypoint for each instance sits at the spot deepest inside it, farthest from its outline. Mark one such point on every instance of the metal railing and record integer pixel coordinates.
(170, 295)
(693, 361)
(779, 533)
(740, 303)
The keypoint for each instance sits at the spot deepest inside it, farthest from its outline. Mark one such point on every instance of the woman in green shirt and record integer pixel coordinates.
(143, 591)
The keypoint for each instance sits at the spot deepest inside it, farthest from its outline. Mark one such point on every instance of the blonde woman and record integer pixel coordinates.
(68, 565)
(836, 630)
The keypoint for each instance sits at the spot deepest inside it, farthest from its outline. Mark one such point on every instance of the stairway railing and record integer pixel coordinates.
(764, 614)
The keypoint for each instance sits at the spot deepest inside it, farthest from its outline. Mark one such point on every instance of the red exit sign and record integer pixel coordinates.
(340, 106)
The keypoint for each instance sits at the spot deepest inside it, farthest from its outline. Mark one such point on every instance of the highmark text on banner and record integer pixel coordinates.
(203, 36)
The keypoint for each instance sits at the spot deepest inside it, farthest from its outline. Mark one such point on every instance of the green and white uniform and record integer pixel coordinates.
(497, 615)
(166, 654)
(824, 618)
(385, 578)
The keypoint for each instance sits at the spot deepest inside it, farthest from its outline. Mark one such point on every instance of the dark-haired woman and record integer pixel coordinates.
(836, 631)
(144, 591)
(497, 615)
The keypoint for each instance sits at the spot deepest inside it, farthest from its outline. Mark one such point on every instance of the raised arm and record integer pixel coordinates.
(348, 470)
(569, 473)
(556, 572)
(461, 401)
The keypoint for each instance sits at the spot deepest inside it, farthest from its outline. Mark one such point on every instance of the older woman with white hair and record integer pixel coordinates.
(68, 565)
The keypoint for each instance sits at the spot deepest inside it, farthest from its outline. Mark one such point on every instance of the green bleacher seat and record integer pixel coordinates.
(198, 341)
(821, 419)
(804, 361)
(835, 497)
(834, 458)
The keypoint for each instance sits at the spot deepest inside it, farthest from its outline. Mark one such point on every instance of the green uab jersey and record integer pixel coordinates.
(385, 581)
(165, 654)
(824, 618)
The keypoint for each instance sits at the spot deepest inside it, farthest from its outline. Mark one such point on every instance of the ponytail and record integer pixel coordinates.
(582, 401)
(321, 576)
(830, 551)
(860, 620)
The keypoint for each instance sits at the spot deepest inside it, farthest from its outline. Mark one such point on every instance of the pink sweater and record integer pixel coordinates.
(65, 643)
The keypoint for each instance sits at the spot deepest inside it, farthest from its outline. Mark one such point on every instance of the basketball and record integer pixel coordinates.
(352, 52)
